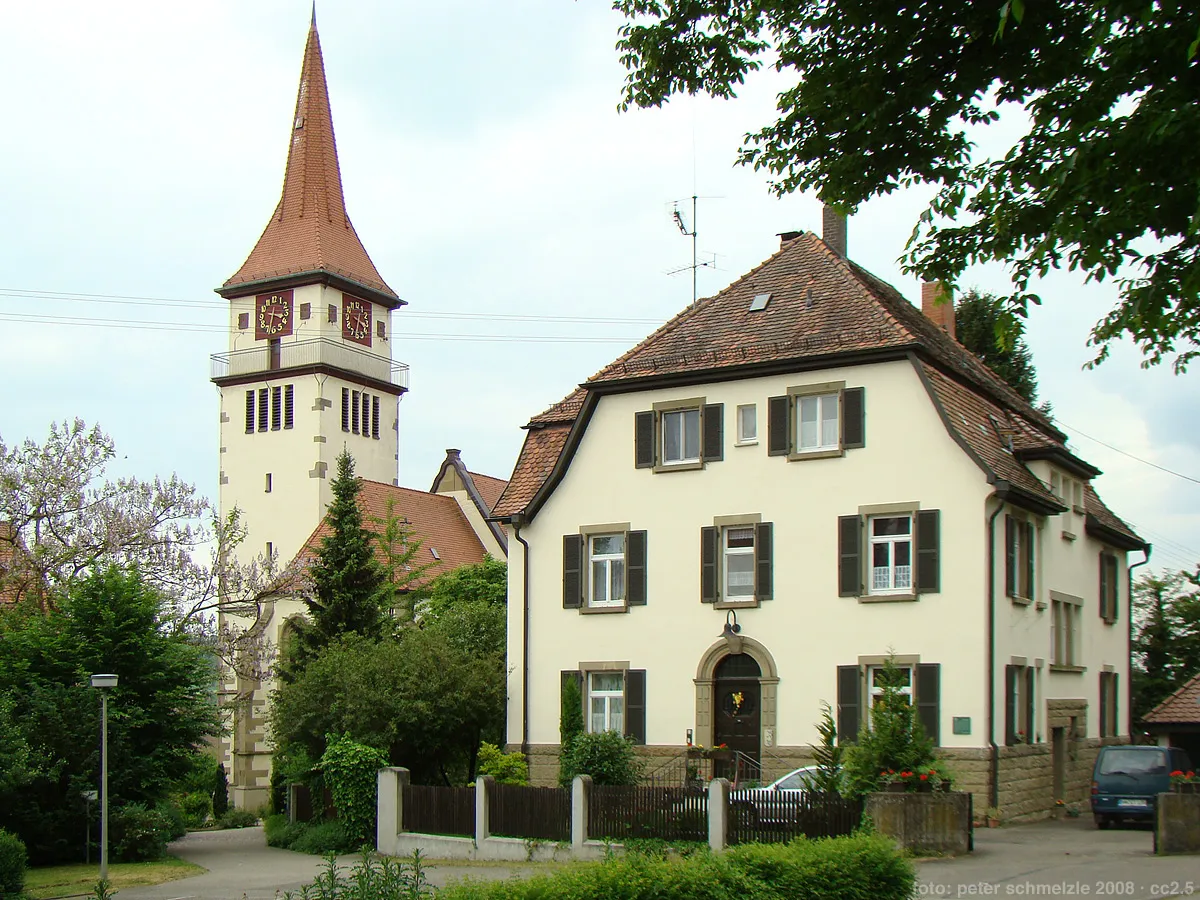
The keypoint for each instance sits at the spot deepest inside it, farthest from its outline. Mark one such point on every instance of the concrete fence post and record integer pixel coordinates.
(483, 812)
(581, 801)
(389, 810)
(718, 814)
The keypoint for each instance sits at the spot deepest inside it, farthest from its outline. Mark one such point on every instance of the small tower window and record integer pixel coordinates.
(366, 414)
(262, 409)
(306, 310)
(354, 411)
(375, 418)
(332, 314)
(243, 321)
(276, 408)
(288, 406)
(345, 409)
(380, 329)
(249, 412)
(267, 487)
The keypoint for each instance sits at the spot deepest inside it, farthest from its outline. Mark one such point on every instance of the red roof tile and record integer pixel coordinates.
(436, 521)
(543, 446)
(489, 488)
(310, 230)
(1181, 708)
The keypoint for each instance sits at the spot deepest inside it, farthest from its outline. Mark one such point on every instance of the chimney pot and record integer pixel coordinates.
(787, 236)
(833, 230)
(453, 452)
(940, 313)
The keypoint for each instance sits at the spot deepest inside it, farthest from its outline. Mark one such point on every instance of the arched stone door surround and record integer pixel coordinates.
(705, 676)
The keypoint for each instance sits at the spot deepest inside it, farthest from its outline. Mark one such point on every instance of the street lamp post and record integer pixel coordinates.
(104, 683)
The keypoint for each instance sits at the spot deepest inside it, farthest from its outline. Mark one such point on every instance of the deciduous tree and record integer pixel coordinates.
(1102, 179)
(1166, 647)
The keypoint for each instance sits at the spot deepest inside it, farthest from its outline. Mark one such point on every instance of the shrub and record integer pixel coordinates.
(607, 756)
(12, 865)
(138, 833)
(173, 815)
(351, 771)
(280, 832)
(220, 794)
(506, 768)
(196, 807)
(237, 818)
(322, 838)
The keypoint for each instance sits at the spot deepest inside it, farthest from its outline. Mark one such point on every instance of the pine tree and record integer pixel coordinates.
(992, 333)
(351, 594)
(827, 754)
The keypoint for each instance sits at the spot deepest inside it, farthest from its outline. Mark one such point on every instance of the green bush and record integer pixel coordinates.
(220, 794)
(138, 833)
(607, 756)
(196, 807)
(237, 818)
(351, 771)
(280, 832)
(848, 868)
(12, 865)
(322, 838)
(173, 815)
(506, 768)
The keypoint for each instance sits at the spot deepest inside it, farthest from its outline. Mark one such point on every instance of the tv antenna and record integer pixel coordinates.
(681, 224)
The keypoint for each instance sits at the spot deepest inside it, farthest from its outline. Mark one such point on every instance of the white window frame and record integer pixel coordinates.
(893, 586)
(727, 594)
(821, 401)
(607, 559)
(611, 697)
(747, 436)
(666, 417)
(873, 691)
(1065, 618)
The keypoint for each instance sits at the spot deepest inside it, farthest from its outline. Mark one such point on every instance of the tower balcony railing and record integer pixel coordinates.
(280, 357)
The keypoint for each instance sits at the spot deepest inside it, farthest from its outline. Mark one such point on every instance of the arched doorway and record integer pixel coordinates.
(737, 709)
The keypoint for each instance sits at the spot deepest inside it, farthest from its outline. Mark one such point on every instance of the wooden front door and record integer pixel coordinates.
(737, 712)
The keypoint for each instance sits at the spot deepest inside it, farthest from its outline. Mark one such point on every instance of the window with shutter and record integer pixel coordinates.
(366, 414)
(606, 702)
(1020, 723)
(709, 538)
(263, 408)
(635, 569)
(849, 556)
(375, 416)
(929, 578)
(764, 551)
(1020, 579)
(572, 571)
(635, 705)
(289, 407)
(929, 700)
(643, 440)
(714, 432)
(354, 409)
(345, 407)
(779, 426)
(276, 408)
(1109, 587)
(849, 703)
(250, 412)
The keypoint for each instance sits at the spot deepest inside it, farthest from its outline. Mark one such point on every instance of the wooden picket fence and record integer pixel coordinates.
(669, 813)
(431, 809)
(542, 813)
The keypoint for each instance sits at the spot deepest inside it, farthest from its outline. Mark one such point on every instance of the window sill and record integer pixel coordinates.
(1020, 601)
(736, 604)
(678, 467)
(603, 610)
(887, 598)
(1069, 535)
(1068, 670)
(1108, 621)
(750, 443)
(815, 454)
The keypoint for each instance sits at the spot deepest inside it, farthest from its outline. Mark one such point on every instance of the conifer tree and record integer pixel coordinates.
(351, 594)
(827, 754)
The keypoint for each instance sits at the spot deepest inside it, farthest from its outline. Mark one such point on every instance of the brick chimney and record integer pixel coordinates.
(940, 313)
(833, 230)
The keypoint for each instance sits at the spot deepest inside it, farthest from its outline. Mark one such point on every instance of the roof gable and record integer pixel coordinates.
(1181, 708)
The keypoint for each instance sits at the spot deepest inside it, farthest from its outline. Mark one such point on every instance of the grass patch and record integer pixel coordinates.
(77, 878)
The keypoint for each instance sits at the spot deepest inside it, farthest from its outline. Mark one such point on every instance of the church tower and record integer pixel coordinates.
(309, 368)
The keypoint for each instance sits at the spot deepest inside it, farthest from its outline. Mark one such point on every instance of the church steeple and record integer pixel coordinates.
(310, 231)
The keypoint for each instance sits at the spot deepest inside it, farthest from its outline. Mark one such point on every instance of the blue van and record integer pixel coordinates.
(1128, 779)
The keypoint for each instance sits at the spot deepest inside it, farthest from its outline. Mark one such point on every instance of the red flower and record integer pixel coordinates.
(1191, 774)
(924, 777)
(1178, 773)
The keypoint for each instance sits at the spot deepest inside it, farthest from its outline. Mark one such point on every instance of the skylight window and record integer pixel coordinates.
(759, 302)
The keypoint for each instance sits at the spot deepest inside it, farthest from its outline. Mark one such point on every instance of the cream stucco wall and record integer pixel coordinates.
(807, 627)
(477, 522)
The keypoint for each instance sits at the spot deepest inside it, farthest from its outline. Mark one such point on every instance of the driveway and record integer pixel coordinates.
(240, 864)
(1066, 858)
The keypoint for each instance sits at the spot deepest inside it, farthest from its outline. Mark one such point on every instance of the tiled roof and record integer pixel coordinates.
(1106, 517)
(821, 306)
(436, 520)
(310, 229)
(489, 488)
(1181, 708)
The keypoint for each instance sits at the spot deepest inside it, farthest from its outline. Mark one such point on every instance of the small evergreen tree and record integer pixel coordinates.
(351, 593)
(893, 739)
(401, 567)
(827, 754)
(984, 326)
(220, 797)
(570, 715)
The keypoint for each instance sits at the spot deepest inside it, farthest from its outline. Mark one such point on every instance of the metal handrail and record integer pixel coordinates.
(298, 354)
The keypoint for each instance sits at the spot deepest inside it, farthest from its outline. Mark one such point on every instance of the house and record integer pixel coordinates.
(450, 523)
(1176, 721)
(748, 512)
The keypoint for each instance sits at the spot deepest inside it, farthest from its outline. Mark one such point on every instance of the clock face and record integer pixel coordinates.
(356, 320)
(273, 315)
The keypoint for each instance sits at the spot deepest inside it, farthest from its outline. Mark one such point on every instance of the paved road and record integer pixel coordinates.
(1068, 858)
(239, 862)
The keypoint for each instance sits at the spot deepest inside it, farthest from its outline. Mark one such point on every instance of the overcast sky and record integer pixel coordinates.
(495, 186)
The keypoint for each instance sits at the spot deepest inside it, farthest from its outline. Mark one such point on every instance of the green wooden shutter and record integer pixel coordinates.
(643, 440)
(709, 540)
(1010, 705)
(854, 431)
(929, 691)
(572, 571)
(635, 568)
(929, 578)
(1115, 716)
(1030, 562)
(1104, 704)
(849, 556)
(1010, 556)
(714, 432)
(1030, 706)
(764, 560)
(849, 703)
(1104, 613)
(635, 705)
(779, 419)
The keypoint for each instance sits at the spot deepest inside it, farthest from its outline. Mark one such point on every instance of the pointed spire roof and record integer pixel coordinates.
(310, 230)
